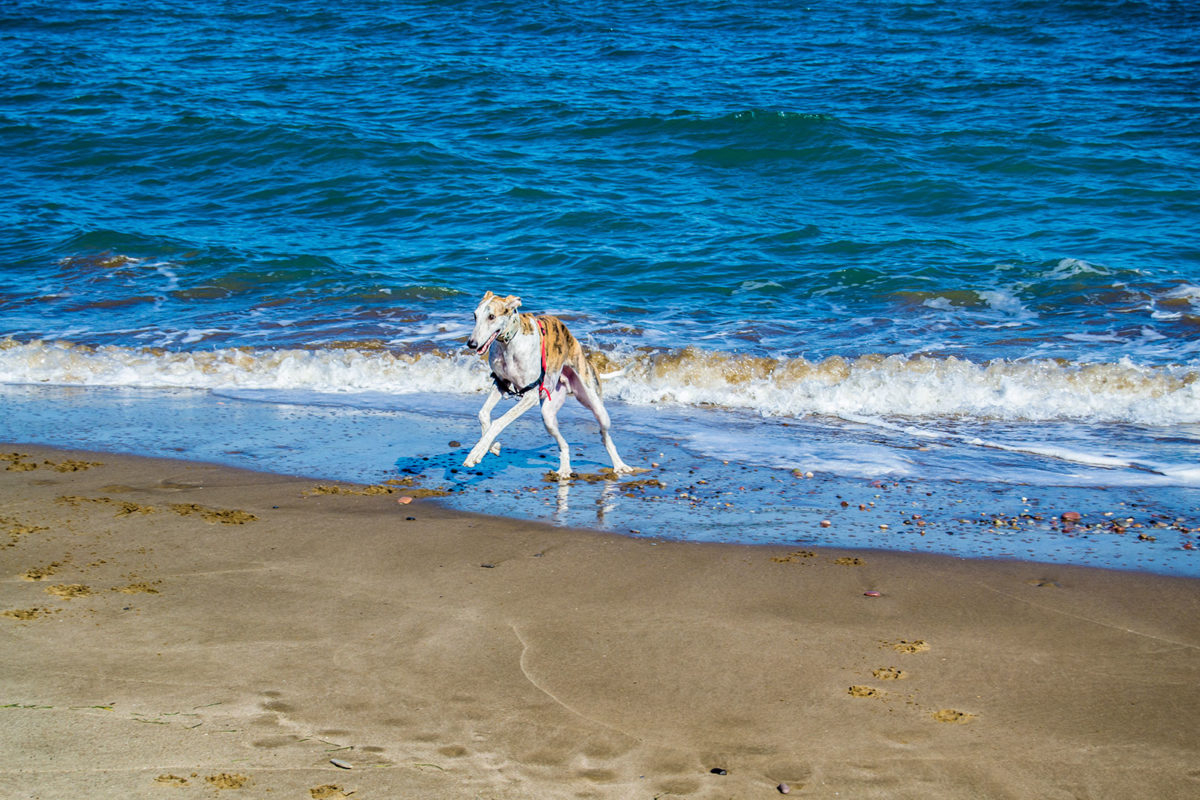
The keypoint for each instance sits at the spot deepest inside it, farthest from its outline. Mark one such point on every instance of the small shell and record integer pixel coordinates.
(337, 762)
(404, 500)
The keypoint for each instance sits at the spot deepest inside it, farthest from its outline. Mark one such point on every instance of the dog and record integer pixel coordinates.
(536, 359)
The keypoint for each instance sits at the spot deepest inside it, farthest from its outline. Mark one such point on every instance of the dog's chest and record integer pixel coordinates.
(520, 361)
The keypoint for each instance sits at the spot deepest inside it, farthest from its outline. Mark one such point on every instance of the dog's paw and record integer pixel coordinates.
(495, 449)
(624, 469)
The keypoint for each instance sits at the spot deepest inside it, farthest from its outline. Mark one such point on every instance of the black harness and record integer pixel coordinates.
(510, 389)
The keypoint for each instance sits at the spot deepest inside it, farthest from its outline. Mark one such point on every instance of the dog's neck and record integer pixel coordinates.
(511, 330)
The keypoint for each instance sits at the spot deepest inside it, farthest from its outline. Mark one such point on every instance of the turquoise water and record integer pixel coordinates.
(941, 242)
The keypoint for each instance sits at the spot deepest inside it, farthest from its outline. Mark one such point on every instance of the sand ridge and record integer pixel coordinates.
(439, 654)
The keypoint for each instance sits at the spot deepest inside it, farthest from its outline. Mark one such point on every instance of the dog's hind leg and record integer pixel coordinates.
(493, 430)
(619, 466)
(550, 418)
(589, 395)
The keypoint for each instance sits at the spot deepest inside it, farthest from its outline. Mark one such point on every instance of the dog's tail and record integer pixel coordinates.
(615, 374)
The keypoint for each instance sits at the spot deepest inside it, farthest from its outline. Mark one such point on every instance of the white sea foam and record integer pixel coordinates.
(166, 269)
(755, 285)
(917, 387)
(1073, 267)
(1006, 302)
(1094, 337)
(1185, 292)
(871, 386)
(331, 370)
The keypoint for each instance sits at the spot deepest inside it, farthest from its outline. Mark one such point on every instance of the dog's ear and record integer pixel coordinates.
(512, 302)
(487, 296)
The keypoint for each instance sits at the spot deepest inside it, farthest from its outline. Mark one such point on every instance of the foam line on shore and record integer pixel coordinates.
(914, 387)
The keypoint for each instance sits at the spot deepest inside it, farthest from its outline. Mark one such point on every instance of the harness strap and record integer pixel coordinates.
(540, 383)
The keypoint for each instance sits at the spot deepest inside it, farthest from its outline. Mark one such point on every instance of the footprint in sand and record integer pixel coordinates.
(225, 516)
(889, 674)
(864, 691)
(16, 530)
(72, 465)
(69, 590)
(40, 573)
(953, 717)
(328, 792)
(226, 780)
(794, 556)
(124, 507)
(907, 646)
(27, 614)
(137, 588)
(17, 462)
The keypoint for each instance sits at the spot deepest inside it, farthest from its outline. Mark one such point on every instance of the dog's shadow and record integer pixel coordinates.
(521, 465)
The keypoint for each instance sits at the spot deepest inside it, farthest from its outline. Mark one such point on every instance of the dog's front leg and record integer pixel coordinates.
(485, 416)
(527, 401)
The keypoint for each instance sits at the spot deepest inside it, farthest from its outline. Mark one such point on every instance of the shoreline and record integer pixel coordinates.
(210, 627)
(697, 488)
(399, 486)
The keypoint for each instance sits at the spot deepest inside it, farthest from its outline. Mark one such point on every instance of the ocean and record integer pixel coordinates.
(945, 257)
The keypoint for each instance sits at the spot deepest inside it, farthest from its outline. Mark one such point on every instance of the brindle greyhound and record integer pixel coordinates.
(534, 358)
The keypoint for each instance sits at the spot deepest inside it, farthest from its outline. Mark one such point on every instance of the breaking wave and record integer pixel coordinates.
(871, 385)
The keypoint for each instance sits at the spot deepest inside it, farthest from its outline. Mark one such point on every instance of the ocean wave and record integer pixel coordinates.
(918, 387)
(915, 387)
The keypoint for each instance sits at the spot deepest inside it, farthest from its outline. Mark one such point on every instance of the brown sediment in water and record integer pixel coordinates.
(371, 491)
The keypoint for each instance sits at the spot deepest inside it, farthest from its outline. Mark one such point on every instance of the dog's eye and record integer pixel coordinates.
(491, 317)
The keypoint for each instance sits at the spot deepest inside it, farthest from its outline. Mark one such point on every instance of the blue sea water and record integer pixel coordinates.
(946, 243)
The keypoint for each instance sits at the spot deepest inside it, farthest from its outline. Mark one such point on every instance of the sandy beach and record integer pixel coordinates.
(181, 630)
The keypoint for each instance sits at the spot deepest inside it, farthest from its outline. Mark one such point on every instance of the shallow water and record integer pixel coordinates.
(700, 481)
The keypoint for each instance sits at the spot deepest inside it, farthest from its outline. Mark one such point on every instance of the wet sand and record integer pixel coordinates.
(176, 630)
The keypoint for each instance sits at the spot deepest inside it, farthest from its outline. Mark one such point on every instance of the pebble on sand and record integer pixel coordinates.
(783, 788)
(1071, 516)
(873, 593)
(404, 500)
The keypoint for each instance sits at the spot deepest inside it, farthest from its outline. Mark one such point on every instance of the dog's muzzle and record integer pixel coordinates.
(481, 349)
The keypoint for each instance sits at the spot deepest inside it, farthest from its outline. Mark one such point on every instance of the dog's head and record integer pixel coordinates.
(492, 316)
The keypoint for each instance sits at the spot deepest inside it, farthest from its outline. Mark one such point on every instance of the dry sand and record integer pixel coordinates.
(178, 630)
